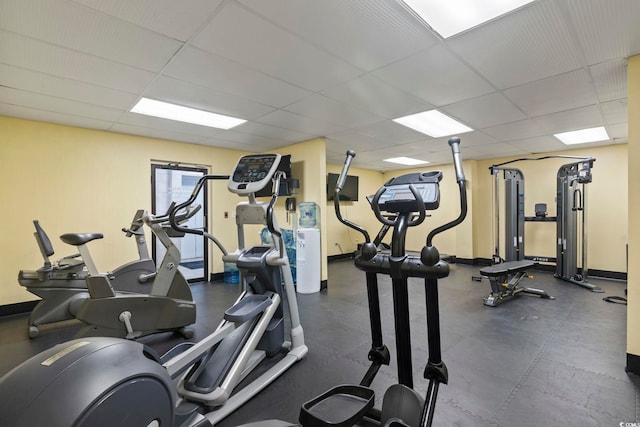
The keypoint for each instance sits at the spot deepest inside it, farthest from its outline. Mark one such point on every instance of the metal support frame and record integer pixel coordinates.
(571, 204)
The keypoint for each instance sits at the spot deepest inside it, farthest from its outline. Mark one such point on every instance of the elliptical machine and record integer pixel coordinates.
(62, 284)
(407, 198)
(104, 381)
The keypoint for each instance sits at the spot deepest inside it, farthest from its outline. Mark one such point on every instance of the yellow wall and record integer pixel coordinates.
(80, 180)
(633, 309)
(308, 158)
(340, 238)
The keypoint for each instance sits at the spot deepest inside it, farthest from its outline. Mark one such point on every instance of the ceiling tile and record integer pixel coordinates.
(436, 76)
(70, 25)
(190, 95)
(221, 74)
(30, 113)
(615, 111)
(532, 43)
(175, 19)
(327, 110)
(46, 84)
(154, 132)
(141, 120)
(527, 128)
(353, 25)
(579, 118)
(57, 105)
(244, 37)
(36, 55)
(356, 141)
(470, 139)
(540, 144)
(271, 133)
(296, 122)
(553, 94)
(390, 131)
(610, 79)
(490, 151)
(618, 132)
(606, 30)
(371, 94)
(484, 111)
(242, 141)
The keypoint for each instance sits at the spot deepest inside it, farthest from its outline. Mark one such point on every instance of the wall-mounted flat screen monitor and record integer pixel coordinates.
(349, 192)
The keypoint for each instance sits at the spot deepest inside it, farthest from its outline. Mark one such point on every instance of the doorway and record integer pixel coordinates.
(174, 183)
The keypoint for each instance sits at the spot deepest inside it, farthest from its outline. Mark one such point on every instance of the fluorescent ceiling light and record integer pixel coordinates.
(433, 123)
(450, 17)
(583, 136)
(165, 110)
(406, 161)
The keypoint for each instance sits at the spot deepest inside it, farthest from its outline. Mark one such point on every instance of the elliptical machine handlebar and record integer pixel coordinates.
(175, 220)
(422, 212)
(454, 143)
(336, 197)
(277, 177)
(180, 214)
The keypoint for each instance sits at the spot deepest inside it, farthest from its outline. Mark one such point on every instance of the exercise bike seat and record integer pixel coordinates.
(508, 267)
(77, 239)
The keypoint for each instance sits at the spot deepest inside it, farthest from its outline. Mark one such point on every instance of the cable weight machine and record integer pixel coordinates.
(571, 222)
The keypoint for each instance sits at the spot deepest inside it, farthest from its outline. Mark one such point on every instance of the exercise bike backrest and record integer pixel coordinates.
(406, 196)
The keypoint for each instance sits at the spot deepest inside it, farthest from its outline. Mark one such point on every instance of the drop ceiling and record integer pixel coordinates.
(339, 69)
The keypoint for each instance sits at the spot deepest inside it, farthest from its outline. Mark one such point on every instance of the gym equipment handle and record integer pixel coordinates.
(454, 143)
(277, 177)
(336, 197)
(345, 168)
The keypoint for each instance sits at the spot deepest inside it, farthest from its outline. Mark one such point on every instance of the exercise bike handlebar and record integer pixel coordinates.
(454, 143)
(336, 197)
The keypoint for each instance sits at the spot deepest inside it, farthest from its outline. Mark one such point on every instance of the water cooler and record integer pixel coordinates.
(308, 254)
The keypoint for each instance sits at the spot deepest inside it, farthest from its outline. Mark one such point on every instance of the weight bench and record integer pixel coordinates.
(504, 279)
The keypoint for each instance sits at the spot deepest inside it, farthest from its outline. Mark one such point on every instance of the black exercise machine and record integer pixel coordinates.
(407, 198)
(570, 219)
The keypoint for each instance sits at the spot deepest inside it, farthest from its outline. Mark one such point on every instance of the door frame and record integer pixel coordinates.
(155, 165)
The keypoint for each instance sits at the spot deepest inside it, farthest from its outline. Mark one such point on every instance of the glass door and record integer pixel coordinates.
(174, 183)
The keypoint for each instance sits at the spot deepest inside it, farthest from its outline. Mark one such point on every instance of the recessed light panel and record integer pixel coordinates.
(450, 17)
(433, 123)
(583, 136)
(408, 161)
(165, 110)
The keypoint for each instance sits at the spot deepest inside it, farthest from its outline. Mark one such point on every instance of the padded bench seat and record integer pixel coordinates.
(509, 267)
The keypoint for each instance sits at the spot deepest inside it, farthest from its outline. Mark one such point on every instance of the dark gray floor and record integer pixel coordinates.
(528, 362)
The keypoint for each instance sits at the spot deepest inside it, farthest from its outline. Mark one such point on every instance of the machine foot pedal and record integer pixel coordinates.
(341, 406)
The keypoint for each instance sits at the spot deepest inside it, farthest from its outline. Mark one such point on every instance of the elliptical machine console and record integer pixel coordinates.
(252, 173)
(397, 196)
